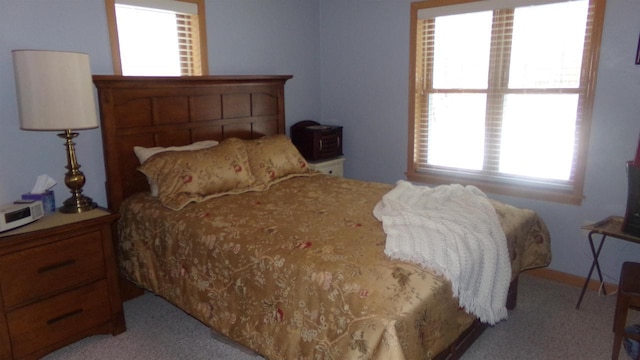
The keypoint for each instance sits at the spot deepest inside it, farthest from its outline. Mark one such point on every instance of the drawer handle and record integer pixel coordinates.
(338, 141)
(56, 266)
(64, 316)
(320, 149)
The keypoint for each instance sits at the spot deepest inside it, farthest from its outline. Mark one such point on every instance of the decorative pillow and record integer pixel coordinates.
(198, 175)
(275, 158)
(144, 153)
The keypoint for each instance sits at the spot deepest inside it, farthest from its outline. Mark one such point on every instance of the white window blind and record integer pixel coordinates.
(167, 5)
(502, 93)
(159, 37)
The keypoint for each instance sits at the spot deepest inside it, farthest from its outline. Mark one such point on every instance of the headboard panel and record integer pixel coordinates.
(173, 111)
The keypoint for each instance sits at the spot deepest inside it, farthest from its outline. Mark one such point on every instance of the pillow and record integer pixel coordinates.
(275, 158)
(145, 153)
(198, 175)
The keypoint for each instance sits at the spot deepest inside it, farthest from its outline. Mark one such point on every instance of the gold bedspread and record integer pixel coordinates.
(298, 271)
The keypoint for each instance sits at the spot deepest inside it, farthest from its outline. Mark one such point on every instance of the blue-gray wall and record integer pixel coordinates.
(350, 63)
(364, 87)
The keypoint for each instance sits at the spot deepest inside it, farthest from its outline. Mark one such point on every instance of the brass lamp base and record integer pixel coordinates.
(74, 179)
(74, 205)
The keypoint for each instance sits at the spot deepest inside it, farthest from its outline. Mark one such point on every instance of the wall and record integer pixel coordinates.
(245, 37)
(364, 85)
(61, 25)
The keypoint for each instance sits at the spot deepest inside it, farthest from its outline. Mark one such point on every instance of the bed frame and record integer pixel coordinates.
(171, 111)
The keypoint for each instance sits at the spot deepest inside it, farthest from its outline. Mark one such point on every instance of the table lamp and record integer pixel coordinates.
(55, 92)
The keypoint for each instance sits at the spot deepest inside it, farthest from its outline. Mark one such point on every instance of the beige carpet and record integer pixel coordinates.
(545, 325)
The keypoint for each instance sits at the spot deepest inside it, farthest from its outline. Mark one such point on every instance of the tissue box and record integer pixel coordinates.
(47, 198)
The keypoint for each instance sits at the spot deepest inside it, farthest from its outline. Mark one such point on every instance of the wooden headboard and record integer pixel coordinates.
(173, 111)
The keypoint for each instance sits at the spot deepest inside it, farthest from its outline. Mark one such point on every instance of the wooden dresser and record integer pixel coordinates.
(58, 283)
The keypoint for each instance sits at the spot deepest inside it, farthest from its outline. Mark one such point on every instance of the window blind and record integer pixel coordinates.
(188, 44)
(501, 92)
(181, 7)
(185, 31)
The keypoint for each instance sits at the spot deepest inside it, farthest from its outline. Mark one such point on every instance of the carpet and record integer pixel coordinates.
(544, 325)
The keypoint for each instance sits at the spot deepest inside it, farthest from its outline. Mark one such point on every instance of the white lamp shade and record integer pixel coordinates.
(55, 90)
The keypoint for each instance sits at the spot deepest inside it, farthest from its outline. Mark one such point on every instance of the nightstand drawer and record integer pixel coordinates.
(50, 321)
(37, 272)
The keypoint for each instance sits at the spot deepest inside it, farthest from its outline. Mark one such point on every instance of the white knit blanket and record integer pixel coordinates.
(455, 231)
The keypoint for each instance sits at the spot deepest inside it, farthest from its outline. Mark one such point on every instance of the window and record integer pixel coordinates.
(158, 37)
(501, 94)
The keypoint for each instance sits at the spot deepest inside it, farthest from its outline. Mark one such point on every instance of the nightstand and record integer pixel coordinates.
(58, 283)
(334, 166)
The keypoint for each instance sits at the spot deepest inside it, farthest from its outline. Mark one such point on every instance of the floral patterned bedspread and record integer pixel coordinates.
(298, 271)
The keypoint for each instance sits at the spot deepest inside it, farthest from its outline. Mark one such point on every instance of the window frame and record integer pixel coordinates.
(115, 41)
(504, 186)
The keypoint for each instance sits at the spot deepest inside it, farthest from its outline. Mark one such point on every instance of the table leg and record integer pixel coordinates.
(594, 264)
(596, 255)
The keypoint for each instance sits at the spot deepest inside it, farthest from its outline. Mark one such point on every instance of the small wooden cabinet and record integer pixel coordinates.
(58, 283)
(315, 141)
(333, 166)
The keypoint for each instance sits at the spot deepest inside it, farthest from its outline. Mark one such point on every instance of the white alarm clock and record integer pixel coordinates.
(19, 213)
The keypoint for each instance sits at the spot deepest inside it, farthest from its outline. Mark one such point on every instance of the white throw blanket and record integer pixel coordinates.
(455, 231)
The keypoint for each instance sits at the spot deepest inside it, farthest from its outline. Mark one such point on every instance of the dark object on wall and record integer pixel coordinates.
(316, 141)
(631, 224)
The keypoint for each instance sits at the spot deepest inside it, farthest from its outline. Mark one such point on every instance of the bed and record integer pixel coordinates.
(290, 265)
